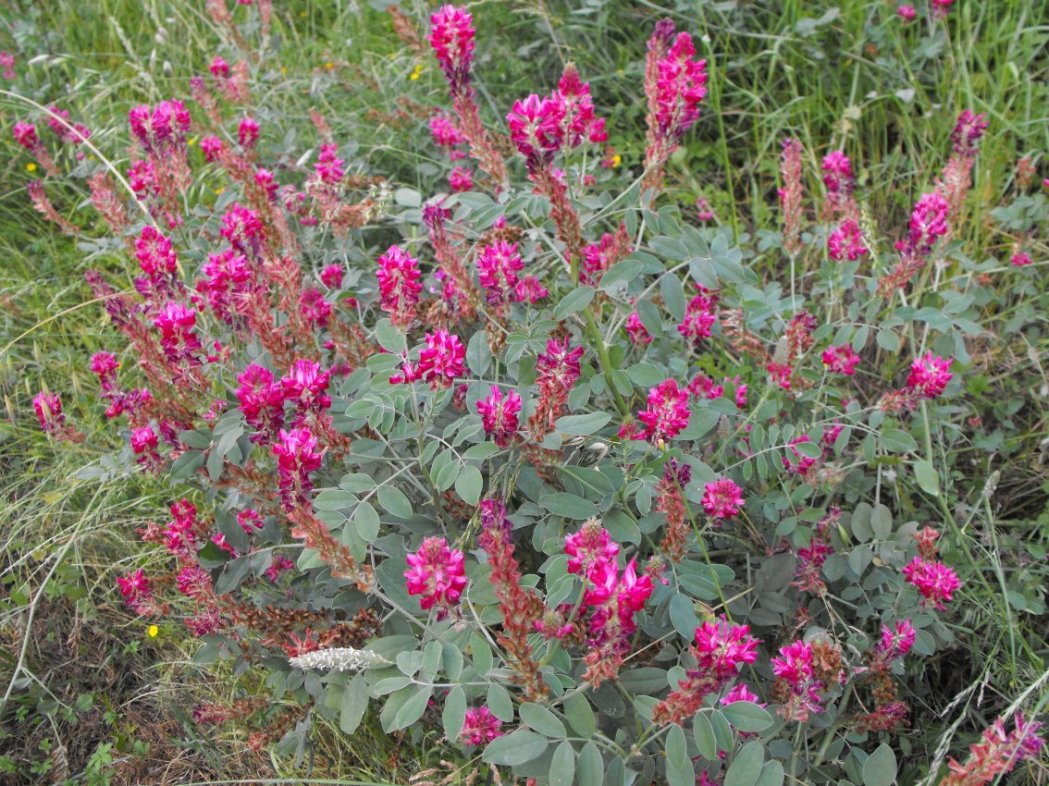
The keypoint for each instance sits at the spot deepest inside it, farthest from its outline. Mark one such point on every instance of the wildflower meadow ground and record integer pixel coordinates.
(524, 392)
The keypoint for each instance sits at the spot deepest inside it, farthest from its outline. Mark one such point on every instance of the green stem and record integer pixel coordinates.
(606, 363)
(829, 736)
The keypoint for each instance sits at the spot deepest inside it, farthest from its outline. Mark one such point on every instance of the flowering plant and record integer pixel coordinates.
(549, 468)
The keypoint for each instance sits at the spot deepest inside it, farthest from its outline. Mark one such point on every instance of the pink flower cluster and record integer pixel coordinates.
(183, 533)
(137, 592)
(636, 330)
(557, 370)
(928, 379)
(929, 222)
(798, 463)
(499, 416)
(667, 414)
(497, 267)
(228, 281)
(841, 360)
(700, 316)
(399, 285)
(441, 361)
(675, 85)
(158, 261)
(599, 257)
(144, 442)
(332, 275)
(929, 376)
(297, 457)
(612, 597)
(794, 668)
(48, 408)
(460, 179)
(530, 290)
(155, 253)
(104, 365)
(176, 323)
(540, 127)
(704, 387)
(329, 168)
(837, 174)
(70, 133)
(740, 692)
(438, 574)
(232, 81)
(590, 547)
(680, 88)
(305, 385)
(446, 134)
(480, 726)
(808, 573)
(25, 134)
(261, 401)
(452, 38)
(967, 132)
(722, 499)
(161, 128)
(212, 148)
(846, 241)
(997, 753)
(242, 229)
(935, 580)
(896, 641)
(720, 650)
(163, 174)
(262, 397)
(248, 132)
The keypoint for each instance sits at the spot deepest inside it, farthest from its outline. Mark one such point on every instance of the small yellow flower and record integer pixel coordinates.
(30, 167)
(153, 630)
(284, 70)
(191, 141)
(616, 160)
(416, 72)
(218, 191)
(329, 65)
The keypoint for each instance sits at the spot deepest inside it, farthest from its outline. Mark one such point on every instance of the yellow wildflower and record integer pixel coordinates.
(416, 72)
(616, 160)
(30, 167)
(153, 630)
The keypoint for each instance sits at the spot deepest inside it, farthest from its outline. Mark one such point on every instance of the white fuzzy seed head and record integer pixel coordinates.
(337, 659)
